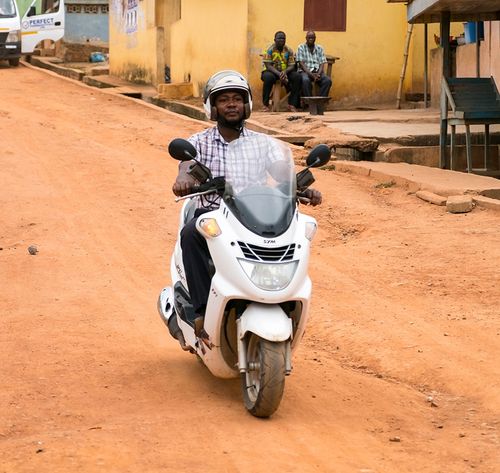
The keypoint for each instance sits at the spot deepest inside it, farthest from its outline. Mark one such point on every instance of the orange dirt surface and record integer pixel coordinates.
(399, 369)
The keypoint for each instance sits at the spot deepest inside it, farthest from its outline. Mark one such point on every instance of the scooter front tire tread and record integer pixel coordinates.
(271, 358)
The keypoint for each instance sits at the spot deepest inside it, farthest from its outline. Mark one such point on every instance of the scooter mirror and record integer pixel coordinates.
(182, 150)
(319, 156)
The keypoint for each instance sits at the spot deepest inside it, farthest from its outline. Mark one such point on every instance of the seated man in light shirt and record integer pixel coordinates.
(312, 62)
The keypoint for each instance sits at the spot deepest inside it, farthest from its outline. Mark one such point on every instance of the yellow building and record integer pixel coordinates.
(191, 39)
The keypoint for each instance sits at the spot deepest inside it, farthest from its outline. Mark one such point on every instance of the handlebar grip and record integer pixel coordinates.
(302, 198)
(216, 185)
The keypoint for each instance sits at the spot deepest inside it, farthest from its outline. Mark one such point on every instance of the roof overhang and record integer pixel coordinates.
(429, 11)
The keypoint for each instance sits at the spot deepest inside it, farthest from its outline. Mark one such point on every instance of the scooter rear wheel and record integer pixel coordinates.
(264, 381)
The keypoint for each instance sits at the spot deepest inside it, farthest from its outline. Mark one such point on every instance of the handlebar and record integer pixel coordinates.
(216, 184)
(302, 198)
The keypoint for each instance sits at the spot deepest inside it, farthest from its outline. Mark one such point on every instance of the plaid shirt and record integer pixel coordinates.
(311, 60)
(211, 149)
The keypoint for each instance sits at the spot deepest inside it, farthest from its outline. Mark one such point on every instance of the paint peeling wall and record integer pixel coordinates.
(371, 48)
(217, 34)
(195, 38)
(136, 44)
(167, 12)
(209, 36)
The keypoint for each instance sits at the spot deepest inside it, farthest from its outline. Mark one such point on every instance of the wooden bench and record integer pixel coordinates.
(318, 105)
(330, 61)
(473, 101)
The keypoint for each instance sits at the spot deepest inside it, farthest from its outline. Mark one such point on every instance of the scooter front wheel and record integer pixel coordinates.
(264, 381)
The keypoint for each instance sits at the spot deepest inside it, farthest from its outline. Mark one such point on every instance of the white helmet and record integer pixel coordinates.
(225, 80)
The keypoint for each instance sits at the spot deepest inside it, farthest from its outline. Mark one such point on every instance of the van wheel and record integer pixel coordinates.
(264, 381)
(14, 62)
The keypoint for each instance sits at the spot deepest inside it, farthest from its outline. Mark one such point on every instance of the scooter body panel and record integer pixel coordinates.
(264, 316)
(266, 321)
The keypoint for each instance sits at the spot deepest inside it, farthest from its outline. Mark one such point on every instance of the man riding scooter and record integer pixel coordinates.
(227, 101)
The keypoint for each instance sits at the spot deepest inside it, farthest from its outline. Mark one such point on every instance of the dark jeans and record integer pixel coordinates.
(324, 85)
(293, 86)
(195, 257)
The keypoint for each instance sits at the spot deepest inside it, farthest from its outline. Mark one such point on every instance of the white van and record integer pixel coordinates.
(20, 36)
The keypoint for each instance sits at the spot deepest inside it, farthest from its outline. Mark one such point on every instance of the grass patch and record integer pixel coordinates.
(329, 167)
(385, 185)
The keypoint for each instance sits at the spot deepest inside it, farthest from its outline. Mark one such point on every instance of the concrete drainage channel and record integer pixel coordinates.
(98, 76)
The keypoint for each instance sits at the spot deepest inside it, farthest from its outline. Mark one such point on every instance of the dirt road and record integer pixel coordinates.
(399, 370)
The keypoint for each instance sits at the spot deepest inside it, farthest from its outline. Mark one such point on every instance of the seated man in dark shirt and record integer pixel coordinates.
(280, 65)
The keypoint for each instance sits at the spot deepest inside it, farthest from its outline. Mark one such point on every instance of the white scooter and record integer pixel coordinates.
(259, 243)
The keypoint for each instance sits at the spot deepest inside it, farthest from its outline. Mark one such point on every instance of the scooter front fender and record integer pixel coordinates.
(267, 321)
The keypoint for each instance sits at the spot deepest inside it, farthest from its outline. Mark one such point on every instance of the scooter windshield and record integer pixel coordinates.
(260, 184)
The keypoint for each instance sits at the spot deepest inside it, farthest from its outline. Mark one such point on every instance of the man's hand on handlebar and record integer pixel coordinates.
(183, 184)
(313, 197)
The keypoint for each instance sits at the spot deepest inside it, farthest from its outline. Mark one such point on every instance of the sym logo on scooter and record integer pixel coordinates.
(269, 242)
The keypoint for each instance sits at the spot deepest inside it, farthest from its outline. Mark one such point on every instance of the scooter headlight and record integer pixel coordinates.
(269, 276)
(14, 36)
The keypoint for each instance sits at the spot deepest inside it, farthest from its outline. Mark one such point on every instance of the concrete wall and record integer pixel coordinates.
(82, 27)
(198, 37)
(371, 48)
(135, 42)
(415, 83)
(464, 60)
(203, 36)
(167, 12)
(210, 35)
(489, 54)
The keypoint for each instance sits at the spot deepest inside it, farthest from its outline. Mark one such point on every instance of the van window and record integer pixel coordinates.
(50, 6)
(7, 9)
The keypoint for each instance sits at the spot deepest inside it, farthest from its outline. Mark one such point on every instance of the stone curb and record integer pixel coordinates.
(109, 91)
(74, 74)
(429, 191)
(486, 202)
(431, 197)
(458, 204)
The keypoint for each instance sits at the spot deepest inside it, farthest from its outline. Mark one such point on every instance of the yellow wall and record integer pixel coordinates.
(371, 49)
(167, 12)
(135, 55)
(218, 34)
(196, 38)
(211, 35)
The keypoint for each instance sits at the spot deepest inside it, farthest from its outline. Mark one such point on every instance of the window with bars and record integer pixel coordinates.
(92, 9)
(325, 15)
